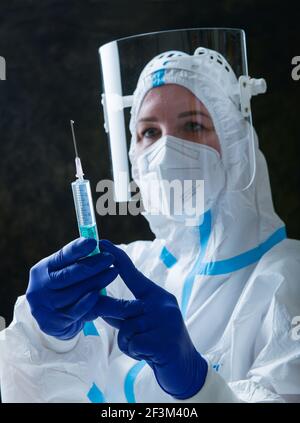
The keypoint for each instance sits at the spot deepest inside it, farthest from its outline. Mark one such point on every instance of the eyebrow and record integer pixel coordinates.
(192, 113)
(181, 115)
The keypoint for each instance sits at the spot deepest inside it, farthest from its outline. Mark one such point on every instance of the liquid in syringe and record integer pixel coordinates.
(83, 201)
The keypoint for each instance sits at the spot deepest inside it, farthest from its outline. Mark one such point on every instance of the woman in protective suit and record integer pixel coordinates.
(201, 314)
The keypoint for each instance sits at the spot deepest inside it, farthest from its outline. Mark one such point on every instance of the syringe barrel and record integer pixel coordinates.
(83, 202)
(85, 210)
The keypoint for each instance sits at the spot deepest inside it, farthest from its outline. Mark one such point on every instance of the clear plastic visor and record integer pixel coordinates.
(183, 95)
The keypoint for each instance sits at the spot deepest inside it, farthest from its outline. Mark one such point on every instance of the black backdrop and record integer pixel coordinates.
(51, 51)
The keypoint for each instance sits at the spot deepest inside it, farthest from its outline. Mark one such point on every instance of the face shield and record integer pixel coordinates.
(178, 104)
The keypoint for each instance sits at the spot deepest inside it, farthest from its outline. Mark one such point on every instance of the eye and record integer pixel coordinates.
(150, 133)
(194, 126)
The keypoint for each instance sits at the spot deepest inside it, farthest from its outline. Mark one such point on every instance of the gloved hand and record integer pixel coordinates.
(63, 291)
(156, 334)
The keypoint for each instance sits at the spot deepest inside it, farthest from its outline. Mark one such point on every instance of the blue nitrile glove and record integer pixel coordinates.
(64, 288)
(157, 334)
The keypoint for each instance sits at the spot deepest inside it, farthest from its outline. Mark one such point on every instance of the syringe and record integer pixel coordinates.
(83, 201)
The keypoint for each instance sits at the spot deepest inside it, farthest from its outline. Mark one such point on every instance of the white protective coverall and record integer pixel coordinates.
(236, 279)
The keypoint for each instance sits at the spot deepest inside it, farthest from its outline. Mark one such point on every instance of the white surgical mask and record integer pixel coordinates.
(179, 178)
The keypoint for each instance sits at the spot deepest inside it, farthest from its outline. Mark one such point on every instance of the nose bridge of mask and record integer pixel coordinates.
(177, 153)
(190, 149)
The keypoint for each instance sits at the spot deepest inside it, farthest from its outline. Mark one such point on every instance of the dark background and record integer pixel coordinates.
(53, 74)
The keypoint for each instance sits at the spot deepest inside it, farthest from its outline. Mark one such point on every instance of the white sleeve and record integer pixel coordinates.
(217, 390)
(35, 367)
